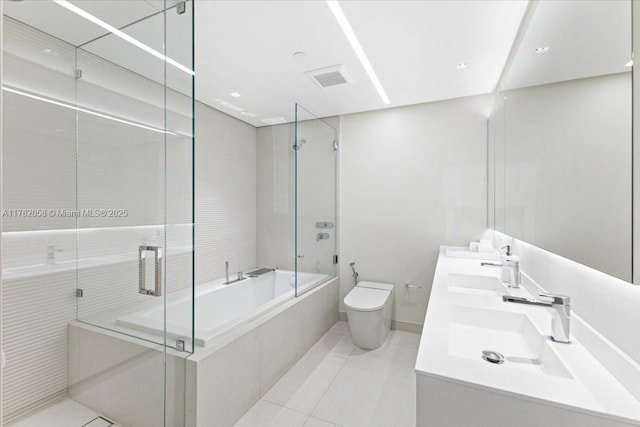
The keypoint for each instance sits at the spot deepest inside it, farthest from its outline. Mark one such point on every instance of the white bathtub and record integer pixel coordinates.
(219, 307)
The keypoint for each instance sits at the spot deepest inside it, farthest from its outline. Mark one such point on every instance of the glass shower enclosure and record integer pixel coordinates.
(315, 189)
(97, 199)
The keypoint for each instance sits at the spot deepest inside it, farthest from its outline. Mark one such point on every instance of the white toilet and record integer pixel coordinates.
(369, 306)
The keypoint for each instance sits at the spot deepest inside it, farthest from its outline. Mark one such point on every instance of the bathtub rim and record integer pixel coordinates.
(221, 340)
(135, 323)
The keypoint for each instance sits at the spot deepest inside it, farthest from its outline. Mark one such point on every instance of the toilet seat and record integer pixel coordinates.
(368, 296)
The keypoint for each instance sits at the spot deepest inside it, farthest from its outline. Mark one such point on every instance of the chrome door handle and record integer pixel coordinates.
(142, 257)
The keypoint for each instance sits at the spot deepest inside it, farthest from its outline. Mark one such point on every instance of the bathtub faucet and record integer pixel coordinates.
(226, 275)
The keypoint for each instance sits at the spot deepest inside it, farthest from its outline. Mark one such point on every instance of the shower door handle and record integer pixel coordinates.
(142, 268)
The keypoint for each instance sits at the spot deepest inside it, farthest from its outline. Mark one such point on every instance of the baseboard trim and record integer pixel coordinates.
(416, 328)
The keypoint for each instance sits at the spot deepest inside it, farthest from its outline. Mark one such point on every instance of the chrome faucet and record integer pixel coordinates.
(514, 270)
(51, 253)
(561, 313)
(513, 264)
(226, 275)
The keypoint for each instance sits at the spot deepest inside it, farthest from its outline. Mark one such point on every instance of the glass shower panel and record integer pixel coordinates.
(139, 170)
(38, 179)
(99, 97)
(316, 149)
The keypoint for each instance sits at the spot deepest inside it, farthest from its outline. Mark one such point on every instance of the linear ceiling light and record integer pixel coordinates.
(355, 44)
(122, 35)
(84, 110)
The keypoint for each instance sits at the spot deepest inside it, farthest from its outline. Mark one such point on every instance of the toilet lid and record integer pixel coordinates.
(366, 299)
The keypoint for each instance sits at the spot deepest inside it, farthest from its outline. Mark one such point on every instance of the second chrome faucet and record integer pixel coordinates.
(561, 313)
(512, 264)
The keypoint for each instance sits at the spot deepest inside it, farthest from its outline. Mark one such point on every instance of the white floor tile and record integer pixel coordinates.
(332, 347)
(341, 327)
(351, 399)
(383, 359)
(405, 339)
(317, 422)
(339, 384)
(303, 386)
(67, 413)
(266, 414)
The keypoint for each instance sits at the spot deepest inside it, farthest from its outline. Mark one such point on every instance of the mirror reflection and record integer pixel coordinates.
(561, 135)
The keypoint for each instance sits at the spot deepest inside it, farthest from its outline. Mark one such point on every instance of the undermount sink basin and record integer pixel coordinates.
(473, 330)
(473, 284)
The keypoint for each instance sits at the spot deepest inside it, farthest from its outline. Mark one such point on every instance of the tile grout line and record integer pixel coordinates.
(331, 383)
(309, 415)
(314, 407)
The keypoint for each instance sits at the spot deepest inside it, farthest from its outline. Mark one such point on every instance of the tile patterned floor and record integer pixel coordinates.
(338, 384)
(67, 413)
(334, 384)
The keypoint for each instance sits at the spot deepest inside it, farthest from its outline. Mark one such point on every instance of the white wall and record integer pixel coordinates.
(225, 194)
(567, 169)
(411, 179)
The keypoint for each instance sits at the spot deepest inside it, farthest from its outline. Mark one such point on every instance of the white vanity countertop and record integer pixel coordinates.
(566, 375)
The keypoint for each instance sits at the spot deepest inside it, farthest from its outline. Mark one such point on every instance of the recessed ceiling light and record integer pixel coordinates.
(299, 55)
(462, 65)
(235, 94)
(355, 45)
(540, 50)
(51, 52)
(629, 64)
(245, 113)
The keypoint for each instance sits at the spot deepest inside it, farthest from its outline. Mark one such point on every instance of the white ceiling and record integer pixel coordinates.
(247, 47)
(414, 47)
(585, 39)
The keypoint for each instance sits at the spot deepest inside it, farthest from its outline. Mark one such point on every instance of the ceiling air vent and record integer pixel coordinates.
(329, 76)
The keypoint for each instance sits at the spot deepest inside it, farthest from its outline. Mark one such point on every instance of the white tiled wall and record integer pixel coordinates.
(412, 178)
(225, 194)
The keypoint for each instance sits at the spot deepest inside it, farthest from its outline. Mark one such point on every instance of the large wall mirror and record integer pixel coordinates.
(560, 146)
